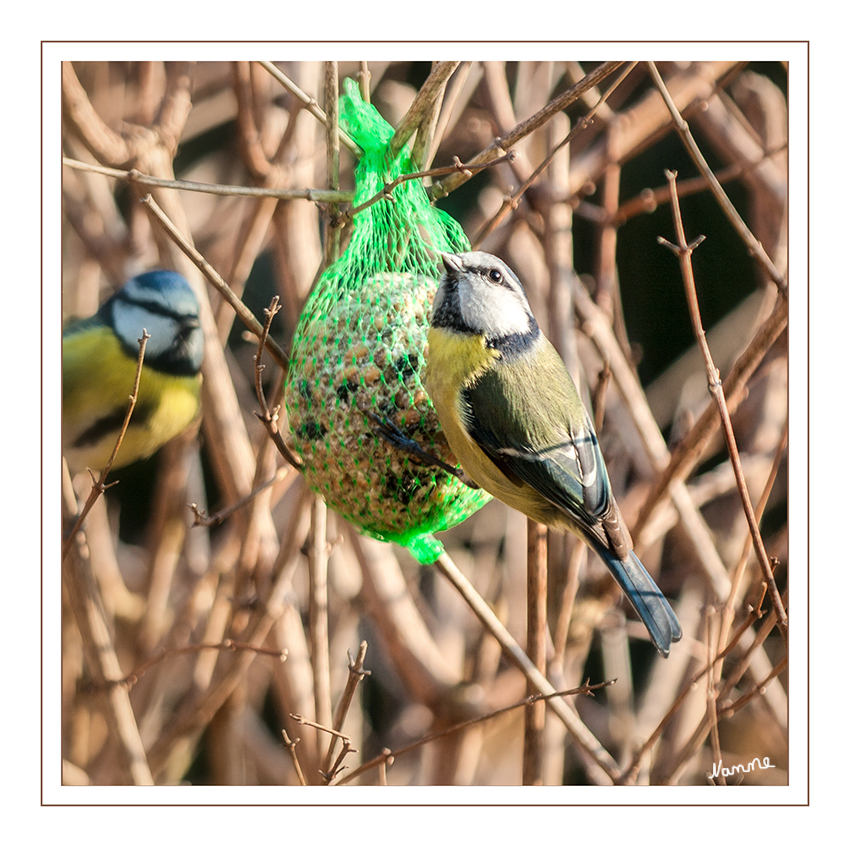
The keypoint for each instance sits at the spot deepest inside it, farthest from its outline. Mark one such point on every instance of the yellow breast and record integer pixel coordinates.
(97, 380)
(456, 361)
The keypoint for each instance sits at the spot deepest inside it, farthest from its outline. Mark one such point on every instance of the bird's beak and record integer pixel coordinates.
(452, 263)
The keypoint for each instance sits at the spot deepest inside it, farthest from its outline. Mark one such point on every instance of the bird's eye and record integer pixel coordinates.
(495, 275)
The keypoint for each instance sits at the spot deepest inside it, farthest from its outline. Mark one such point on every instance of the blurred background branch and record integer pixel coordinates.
(248, 165)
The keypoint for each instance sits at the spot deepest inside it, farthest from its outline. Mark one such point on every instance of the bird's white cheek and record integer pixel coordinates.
(493, 310)
(131, 320)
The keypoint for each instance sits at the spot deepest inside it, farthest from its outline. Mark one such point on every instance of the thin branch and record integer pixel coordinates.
(485, 614)
(101, 141)
(594, 324)
(729, 608)
(332, 237)
(310, 104)
(355, 675)
(204, 519)
(267, 417)
(317, 567)
(290, 746)
(99, 485)
(242, 311)
(431, 89)
(753, 244)
(228, 644)
(630, 773)
(651, 198)
(683, 251)
(457, 166)
(500, 145)
(688, 452)
(386, 756)
(133, 176)
(510, 203)
(536, 643)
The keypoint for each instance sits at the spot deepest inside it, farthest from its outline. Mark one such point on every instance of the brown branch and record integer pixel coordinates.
(355, 674)
(431, 89)
(133, 176)
(228, 644)
(753, 245)
(630, 773)
(688, 452)
(175, 105)
(536, 642)
(310, 104)
(500, 145)
(269, 418)
(290, 746)
(103, 143)
(242, 311)
(204, 519)
(699, 734)
(510, 203)
(497, 629)
(457, 166)
(729, 609)
(317, 567)
(651, 198)
(99, 485)
(386, 755)
(683, 251)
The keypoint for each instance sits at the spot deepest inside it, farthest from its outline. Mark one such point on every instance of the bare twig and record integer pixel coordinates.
(630, 773)
(244, 313)
(485, 614)
(204, 519)
(316, 195)
(536, 642)
(510, 203)
(596, 326)
(290, 746)
(651, 198)
(269, 418)
(99, 485)
(457, 166)
(753, 245)
(683, 251)
(386, 756)
(317, 565)
(688, 452)
(228, 644)
(310, 104)
(501, 145)
(95, 632)
(355, 674)
(431, 89)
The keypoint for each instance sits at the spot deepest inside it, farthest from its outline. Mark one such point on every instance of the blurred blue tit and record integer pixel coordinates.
(515, 422)
(99, 359)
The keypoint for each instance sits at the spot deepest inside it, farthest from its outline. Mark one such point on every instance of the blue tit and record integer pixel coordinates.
(99, 361)
(515, 422)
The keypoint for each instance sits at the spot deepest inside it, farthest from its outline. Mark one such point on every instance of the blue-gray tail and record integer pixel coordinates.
(654, 610)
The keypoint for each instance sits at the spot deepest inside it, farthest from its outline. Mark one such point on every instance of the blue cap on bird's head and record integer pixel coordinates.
(169, 289)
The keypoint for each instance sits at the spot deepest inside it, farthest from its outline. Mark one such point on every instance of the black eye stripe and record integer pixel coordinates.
(494, 275)
(154, 307)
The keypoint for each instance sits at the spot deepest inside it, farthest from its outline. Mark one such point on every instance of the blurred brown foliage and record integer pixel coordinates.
(242, 623)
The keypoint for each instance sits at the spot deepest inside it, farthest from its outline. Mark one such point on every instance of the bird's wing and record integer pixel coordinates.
(537, 431)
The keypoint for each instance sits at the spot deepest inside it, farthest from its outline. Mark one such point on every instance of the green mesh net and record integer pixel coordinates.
(359, 350)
